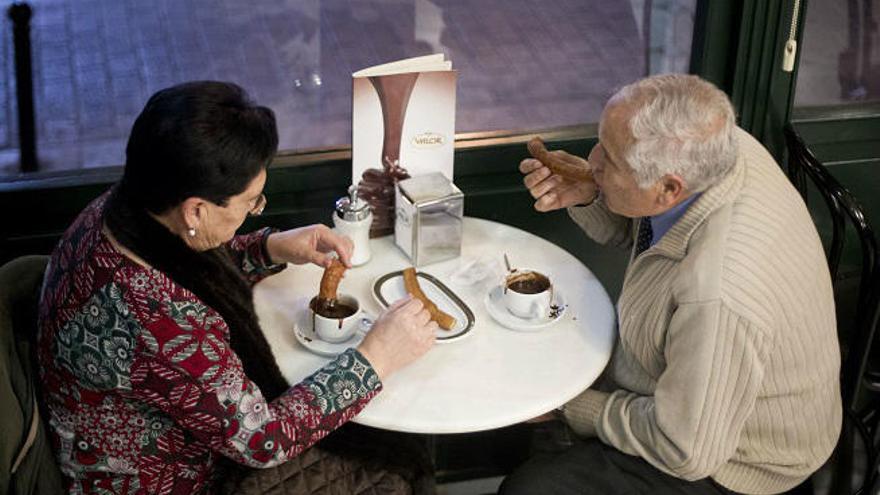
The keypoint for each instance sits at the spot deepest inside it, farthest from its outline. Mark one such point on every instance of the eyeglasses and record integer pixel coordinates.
(259, 206)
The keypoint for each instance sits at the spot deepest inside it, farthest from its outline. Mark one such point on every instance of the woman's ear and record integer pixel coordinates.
(193, 211)
(673, 189)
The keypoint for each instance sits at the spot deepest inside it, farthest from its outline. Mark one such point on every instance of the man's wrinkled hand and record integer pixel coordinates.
(553, 192)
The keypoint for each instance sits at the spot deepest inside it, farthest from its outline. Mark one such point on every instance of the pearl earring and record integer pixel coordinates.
(191, 232)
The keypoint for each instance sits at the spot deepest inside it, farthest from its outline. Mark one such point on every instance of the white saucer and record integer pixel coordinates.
(304, 332)
(389, 288)
(498, 311)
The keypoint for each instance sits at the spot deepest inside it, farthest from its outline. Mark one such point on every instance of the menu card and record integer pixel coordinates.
(403, 124)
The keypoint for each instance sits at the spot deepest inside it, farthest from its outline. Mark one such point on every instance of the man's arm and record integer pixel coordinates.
(580, 197)
(602, 225)
(692, 423)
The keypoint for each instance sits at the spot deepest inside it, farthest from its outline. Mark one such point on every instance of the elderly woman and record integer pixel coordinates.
(153, 363)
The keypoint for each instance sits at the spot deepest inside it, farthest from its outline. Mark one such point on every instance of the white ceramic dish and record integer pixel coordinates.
(304, 331)
(494, 302)
(389, 288)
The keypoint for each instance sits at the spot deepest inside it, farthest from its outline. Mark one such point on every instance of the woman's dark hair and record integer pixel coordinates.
(202, 138)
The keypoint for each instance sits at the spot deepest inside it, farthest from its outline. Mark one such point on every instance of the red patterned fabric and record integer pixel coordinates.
(142, 386)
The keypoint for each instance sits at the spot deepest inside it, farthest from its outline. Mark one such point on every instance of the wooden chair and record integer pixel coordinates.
(860, 383)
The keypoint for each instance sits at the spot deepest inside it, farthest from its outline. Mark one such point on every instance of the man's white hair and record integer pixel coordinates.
(681, 124)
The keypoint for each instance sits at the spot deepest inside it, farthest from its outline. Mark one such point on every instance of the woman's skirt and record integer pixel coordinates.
(354, 459)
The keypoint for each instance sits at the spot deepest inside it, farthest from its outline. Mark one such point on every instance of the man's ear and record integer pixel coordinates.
(672, 190)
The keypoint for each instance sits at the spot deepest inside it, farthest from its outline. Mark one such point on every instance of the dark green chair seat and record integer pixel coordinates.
(27, 464)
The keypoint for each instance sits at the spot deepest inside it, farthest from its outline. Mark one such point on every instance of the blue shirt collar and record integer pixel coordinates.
(660, 224)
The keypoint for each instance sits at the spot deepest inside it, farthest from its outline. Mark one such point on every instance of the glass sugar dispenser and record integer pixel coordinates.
(352, 218)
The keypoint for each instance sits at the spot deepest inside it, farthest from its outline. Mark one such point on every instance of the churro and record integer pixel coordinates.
(330, 281)
(411, 282)
(556, 165)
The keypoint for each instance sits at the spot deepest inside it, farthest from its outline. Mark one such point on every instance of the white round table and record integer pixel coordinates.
(493, 376)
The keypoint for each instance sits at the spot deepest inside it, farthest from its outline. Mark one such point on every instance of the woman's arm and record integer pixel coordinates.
(185, 368)
(267, 251)
(250, 252)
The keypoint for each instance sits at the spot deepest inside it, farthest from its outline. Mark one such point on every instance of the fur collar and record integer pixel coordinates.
(210, 275)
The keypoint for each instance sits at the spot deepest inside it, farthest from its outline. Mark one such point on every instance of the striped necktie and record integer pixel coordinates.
(643, 241)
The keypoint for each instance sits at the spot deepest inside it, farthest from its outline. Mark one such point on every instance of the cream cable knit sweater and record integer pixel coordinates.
(727, 364)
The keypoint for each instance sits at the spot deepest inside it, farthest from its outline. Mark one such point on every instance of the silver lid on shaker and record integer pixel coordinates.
(351, 208)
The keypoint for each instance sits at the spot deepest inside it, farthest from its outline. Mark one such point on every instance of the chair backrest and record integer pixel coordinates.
(845, 209)
(27, 465)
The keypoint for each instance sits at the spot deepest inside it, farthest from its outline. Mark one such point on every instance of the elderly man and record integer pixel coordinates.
(725, 376)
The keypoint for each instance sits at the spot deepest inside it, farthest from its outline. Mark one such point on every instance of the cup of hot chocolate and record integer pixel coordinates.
(528, 294)
(335, 321)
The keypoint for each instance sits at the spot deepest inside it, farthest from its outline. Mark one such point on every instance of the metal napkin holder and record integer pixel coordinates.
(430, 211)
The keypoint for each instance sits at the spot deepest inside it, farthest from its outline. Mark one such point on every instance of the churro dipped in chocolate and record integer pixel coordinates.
(411, 282)
(330, 282)
(556, 165)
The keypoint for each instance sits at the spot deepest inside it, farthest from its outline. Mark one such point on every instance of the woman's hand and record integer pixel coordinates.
(311, 244)
(552, 192)
(402, 334)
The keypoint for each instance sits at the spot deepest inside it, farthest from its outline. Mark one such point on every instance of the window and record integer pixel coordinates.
(839, 61)
(523, 64)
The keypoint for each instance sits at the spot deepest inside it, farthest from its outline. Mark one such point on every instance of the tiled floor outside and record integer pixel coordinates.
(522, 63)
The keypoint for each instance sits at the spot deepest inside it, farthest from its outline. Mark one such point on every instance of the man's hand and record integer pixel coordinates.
(552, 192)
(312, 244)
(545, 418)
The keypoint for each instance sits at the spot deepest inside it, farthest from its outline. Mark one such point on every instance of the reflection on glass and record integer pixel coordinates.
(670, 28)
(523, 65)
(838, 61)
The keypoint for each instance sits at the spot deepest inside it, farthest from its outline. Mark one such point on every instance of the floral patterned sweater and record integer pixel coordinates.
(142, 387)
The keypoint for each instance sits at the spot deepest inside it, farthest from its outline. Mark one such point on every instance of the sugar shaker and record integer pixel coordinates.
(353, 218)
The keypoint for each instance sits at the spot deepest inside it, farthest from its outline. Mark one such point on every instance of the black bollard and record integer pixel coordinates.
(20, 13)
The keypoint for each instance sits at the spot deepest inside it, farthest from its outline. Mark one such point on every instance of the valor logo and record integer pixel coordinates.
(428, 140)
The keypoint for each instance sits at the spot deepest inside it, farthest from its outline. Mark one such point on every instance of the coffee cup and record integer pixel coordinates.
(337, 322)
(528, 294)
